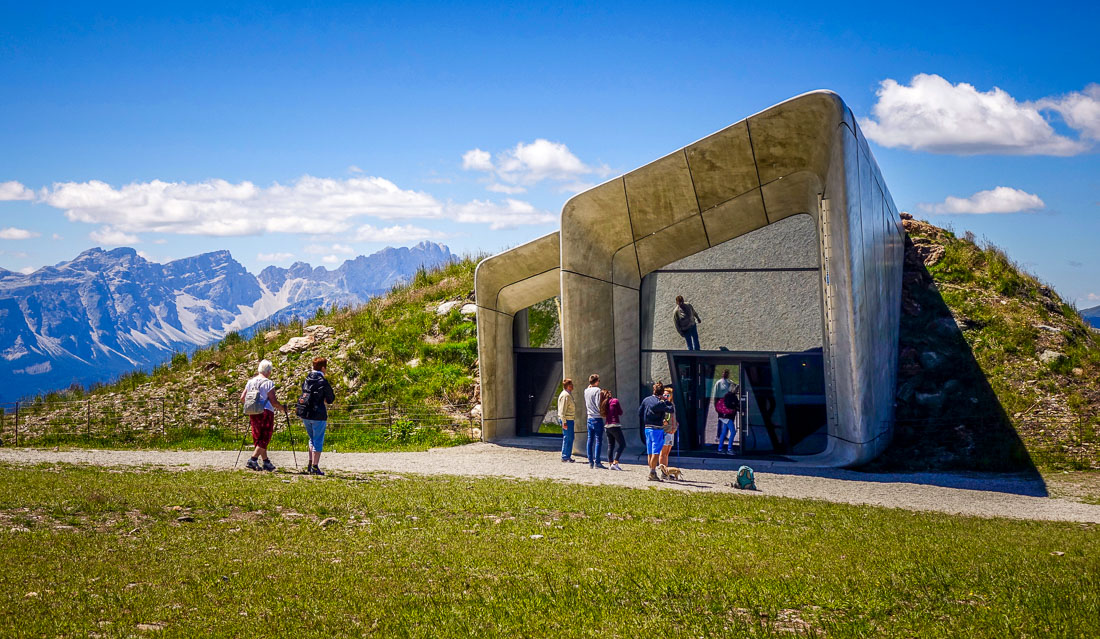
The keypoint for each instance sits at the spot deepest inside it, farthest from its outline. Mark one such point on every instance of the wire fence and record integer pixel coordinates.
(121, 421)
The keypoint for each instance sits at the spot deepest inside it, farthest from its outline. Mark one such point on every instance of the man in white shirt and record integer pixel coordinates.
(594, 447)
(566, 414)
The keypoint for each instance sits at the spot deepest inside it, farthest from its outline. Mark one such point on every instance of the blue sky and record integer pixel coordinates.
(322, 130)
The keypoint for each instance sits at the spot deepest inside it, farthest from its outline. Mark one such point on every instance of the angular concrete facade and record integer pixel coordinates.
(803, 156)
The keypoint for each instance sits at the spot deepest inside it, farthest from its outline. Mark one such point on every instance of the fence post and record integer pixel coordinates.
(88, 415)
(16, 424)
(389, 418)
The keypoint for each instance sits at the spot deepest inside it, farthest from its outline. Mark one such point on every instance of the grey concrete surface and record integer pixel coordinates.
(803, 156)
(1007, 496)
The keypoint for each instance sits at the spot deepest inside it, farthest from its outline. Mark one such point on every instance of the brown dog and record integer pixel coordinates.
(671, 472)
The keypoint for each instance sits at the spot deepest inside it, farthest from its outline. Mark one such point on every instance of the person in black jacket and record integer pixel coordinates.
(316, 393)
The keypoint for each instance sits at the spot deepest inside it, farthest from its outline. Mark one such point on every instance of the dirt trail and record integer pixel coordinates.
(1008, 496)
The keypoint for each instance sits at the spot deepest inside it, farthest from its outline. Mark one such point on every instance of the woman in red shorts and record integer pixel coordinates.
(263, 424)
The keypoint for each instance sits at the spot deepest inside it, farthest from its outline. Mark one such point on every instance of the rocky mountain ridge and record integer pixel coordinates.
(108, 312)
(1092, 316)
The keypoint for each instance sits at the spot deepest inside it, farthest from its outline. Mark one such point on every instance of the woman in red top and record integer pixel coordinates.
(611, 411)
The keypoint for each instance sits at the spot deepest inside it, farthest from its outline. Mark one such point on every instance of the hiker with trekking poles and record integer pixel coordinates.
(260, 405)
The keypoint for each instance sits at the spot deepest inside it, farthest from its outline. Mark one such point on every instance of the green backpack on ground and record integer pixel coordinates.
(746, 480)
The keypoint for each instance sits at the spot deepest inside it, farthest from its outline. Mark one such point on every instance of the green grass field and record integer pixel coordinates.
(100, 552)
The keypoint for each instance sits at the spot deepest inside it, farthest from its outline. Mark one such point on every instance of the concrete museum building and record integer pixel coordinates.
(779, 230)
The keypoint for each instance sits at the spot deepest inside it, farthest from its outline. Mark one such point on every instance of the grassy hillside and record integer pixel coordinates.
(996, 371)
(393, 360)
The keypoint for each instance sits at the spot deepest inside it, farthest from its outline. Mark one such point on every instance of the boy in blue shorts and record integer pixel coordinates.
(651, 415)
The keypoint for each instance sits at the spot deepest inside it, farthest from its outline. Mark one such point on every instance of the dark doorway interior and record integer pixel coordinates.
(538, 376)
(782, 407)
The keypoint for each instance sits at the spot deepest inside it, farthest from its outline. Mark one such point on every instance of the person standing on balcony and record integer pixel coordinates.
(567, 411)
(686, 320)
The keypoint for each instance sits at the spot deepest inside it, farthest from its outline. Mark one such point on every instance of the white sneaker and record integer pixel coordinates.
(615, 466)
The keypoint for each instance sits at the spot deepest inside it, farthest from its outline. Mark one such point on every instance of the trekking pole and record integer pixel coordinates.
(241, 447)
(291, 433)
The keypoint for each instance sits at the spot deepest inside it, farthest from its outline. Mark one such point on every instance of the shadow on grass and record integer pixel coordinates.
(948, 418)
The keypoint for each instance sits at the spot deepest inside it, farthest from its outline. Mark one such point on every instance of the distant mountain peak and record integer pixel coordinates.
(106, 312)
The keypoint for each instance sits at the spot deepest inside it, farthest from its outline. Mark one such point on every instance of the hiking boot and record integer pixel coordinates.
(268, 466)
(600, 466)
(252, 464)
(316, 470)
(308, 470)
(569, 460)
(653, 476)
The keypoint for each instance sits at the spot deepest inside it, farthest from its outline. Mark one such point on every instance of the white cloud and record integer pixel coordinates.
(12, 233)
(330, 259)
(318, 249)
(1002, 199)
(113, 237)
(27, 270)
(219, 208)
(1093, 297)
(540, 160)
(524, 165)
(477, 160)
(13, 190)
(354, 169)
(931, 114)
(406, 234)
(57, 236)
(1080, 110)
(307, 206)
(496, 187)
(274, 258)
(511, 214)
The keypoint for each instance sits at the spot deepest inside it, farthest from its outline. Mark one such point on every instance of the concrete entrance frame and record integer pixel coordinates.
(804, 155)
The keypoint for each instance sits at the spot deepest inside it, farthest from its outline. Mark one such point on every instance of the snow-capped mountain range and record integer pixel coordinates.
(109, 312)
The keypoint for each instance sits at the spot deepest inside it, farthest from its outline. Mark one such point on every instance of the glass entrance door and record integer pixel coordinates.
(781, 401)
(700, 382)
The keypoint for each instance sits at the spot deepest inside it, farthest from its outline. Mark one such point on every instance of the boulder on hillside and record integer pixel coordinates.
(446, 307)
(469, 309)
(298, 344)
(320, 332)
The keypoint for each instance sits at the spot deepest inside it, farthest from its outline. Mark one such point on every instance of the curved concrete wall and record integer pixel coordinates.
(504, 285)
(805, 155)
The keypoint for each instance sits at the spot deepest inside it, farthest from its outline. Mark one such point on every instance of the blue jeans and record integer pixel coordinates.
(692, 337)
(315, 429)
(595, 440)
(568, 432)
(726, 426)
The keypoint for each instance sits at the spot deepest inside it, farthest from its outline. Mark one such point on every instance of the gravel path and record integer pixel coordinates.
(1010, 496)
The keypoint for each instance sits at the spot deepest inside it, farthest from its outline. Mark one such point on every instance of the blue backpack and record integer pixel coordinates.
(745, 478)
